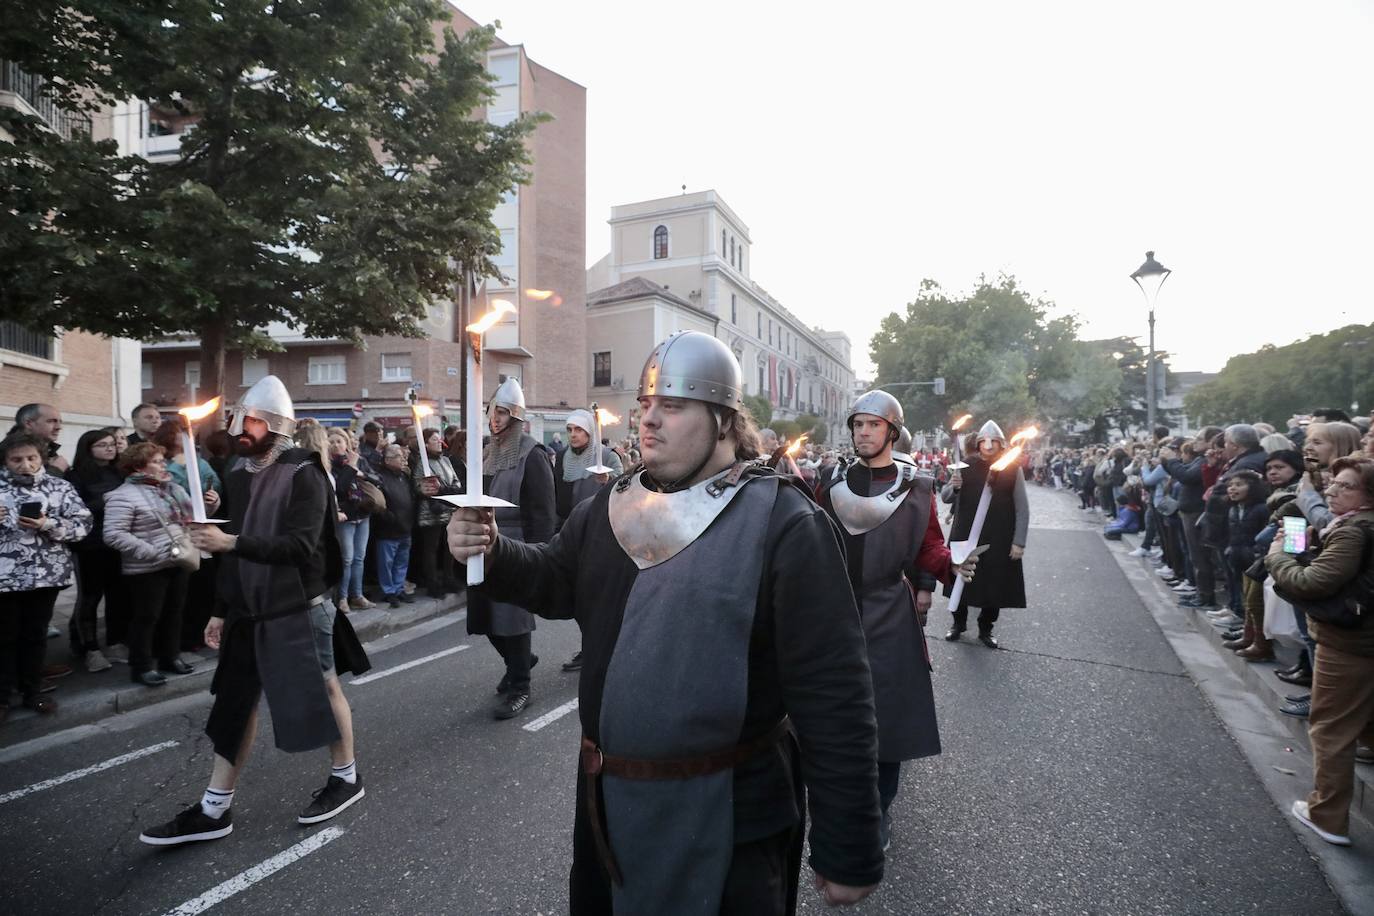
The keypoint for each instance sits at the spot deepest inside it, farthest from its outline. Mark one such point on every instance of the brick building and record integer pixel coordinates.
(543, 233)
(92, 380)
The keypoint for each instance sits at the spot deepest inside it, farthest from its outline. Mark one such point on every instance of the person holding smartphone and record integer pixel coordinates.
(40, 516)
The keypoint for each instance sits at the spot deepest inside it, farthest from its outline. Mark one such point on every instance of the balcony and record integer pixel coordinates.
(29, 90)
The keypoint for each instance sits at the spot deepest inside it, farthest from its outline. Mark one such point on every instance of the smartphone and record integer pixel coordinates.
(33, 509)
(1294, 534)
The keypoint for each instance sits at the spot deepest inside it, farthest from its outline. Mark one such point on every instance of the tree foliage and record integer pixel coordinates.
(760, 408)
(335, 177)
(1274, 383)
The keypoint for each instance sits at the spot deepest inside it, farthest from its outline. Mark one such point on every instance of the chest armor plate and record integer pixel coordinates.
(861, 514)
(653, 527)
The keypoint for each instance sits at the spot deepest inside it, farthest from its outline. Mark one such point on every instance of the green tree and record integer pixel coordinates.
(813, 427)
(1091, 392)
(760, 408)
(997, 348)
(1274, 383)
(335, 177)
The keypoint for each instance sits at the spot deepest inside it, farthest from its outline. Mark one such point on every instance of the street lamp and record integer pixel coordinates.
(1150, 277)
(1352, 346)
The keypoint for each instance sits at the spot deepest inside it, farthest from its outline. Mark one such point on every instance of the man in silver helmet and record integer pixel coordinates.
(724, 668)
(519, 470)
(574, 480)
(1001, 582)
(896, 553)
(274, 624)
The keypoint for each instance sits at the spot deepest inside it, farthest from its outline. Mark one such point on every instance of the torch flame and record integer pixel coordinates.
(421, 410)
(959, 423)
(201, 411)
(1025, 435)
(605, 417)
(795, 447)
(499, 307)
(1008, 459)
(545, 295)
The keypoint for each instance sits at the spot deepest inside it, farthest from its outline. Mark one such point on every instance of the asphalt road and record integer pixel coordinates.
(1083, 773)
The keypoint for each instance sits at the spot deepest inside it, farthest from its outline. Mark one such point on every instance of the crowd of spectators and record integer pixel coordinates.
(1269, 535)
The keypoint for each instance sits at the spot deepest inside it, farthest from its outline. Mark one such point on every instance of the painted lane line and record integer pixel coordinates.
(369, 678)
(246, 879)
(86, 771)
(552, 715)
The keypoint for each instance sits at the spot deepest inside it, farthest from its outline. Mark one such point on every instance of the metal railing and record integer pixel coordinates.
(23, 340)
(32, 90)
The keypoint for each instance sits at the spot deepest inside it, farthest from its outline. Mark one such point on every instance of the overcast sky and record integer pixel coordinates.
(870, 145)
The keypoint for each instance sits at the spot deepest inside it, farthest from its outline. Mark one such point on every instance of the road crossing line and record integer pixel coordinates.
(552, 715)
(86, 771)
(246, 879)
(369, 678)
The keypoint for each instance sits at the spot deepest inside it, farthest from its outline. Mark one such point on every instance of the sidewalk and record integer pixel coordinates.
(84, 697)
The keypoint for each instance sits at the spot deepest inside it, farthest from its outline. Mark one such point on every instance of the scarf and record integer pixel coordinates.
(575, 463)
(502, 452)
(174, 499)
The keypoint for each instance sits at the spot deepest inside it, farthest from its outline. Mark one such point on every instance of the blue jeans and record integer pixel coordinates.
(353, 546)
(393, 562)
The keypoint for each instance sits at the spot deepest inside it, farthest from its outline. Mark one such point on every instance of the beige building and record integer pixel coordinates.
(693, 253)
(92, 380)
(543, 235)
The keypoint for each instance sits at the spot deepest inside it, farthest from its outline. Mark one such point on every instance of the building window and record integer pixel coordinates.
(601, 369)
(760, 391)
(254, 371)
(759, 333)
(770, 332)
(660, 243)
(18, 339)
(734, 310)
(732, 250)
(741, 259)
(395, 367)
(722, 243)
(145, 375)
(506, 371)
(328, 370)
(193, 373)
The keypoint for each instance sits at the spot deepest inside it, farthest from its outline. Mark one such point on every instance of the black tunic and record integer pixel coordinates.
(1000, 582)
(806, 660)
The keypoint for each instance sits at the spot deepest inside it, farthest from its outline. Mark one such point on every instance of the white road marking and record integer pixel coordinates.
(86, 771)
(246, 879)
(369, 678)
(552, 715)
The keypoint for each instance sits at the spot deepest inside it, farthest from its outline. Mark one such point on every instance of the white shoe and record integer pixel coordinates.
(54, 632)
(1157, 552)
(1299, 810)
(1138, 552)
(118, 653)
(1164, 572)
(96, 661)
(1185, 587)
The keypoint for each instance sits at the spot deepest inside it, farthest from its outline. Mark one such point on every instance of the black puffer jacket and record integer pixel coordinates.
(1219, 504)
(1189, 477)
(398, 518)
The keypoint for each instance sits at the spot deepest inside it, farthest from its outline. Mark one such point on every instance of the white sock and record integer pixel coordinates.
(348, 772)
(216, 801)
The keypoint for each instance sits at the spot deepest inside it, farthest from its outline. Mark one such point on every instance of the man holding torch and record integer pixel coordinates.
(275, 627)
(896, 552)
(1000, 519)
(724, 664)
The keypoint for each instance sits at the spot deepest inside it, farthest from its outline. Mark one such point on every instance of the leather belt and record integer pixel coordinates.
(595, 762)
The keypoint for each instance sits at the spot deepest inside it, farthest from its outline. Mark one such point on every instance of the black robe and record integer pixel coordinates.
(806, 660)
(1000, 582)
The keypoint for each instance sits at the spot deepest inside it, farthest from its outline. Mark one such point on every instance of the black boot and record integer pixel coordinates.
(985, 637)
(954, 633)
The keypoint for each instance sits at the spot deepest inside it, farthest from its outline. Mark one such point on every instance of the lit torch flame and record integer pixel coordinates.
(795, 447)
(606, 418)
(192, 414)
(1025, 435)
(1008, 459)
(541, 295)
(499, 307)
(959, 423)
(421, 410)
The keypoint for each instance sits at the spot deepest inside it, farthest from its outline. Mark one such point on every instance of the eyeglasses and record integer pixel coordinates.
(1342, 485)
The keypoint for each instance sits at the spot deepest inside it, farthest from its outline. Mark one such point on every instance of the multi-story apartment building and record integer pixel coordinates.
(692, 254)
(543, 236)
(92, 380)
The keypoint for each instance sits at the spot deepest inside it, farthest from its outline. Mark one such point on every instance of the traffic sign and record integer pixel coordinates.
(358, 409)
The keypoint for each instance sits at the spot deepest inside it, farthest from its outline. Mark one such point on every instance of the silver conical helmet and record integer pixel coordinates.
(903, 442)
(877, 403)
(268, 401)
(511, 396)
(694, 366)
(990, 430)
(583, 420)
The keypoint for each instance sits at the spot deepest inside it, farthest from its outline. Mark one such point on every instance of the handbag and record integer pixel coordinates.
(1166, 505)
(184, 553)
(1280, 621)
(372, 498)
(1351, 607)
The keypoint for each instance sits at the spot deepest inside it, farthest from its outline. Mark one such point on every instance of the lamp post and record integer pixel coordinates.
(1150, 277)
(1353, 346)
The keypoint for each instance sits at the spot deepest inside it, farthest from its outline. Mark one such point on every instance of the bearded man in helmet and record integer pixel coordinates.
(275, 625)
(517, 469)
(723, 664)
(1001, 582)
(896, 553)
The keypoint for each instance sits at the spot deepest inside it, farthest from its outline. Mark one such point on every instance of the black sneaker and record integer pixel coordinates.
(574, 663)
(332, 799)
(393, 600)
(885, 831)
(503, 685)
(511, 705)
(406, 598)
(190, 826)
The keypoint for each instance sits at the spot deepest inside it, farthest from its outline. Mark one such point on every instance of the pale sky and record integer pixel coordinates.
(870, 145)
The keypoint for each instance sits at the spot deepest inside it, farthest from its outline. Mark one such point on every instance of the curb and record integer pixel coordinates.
(92, 705)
